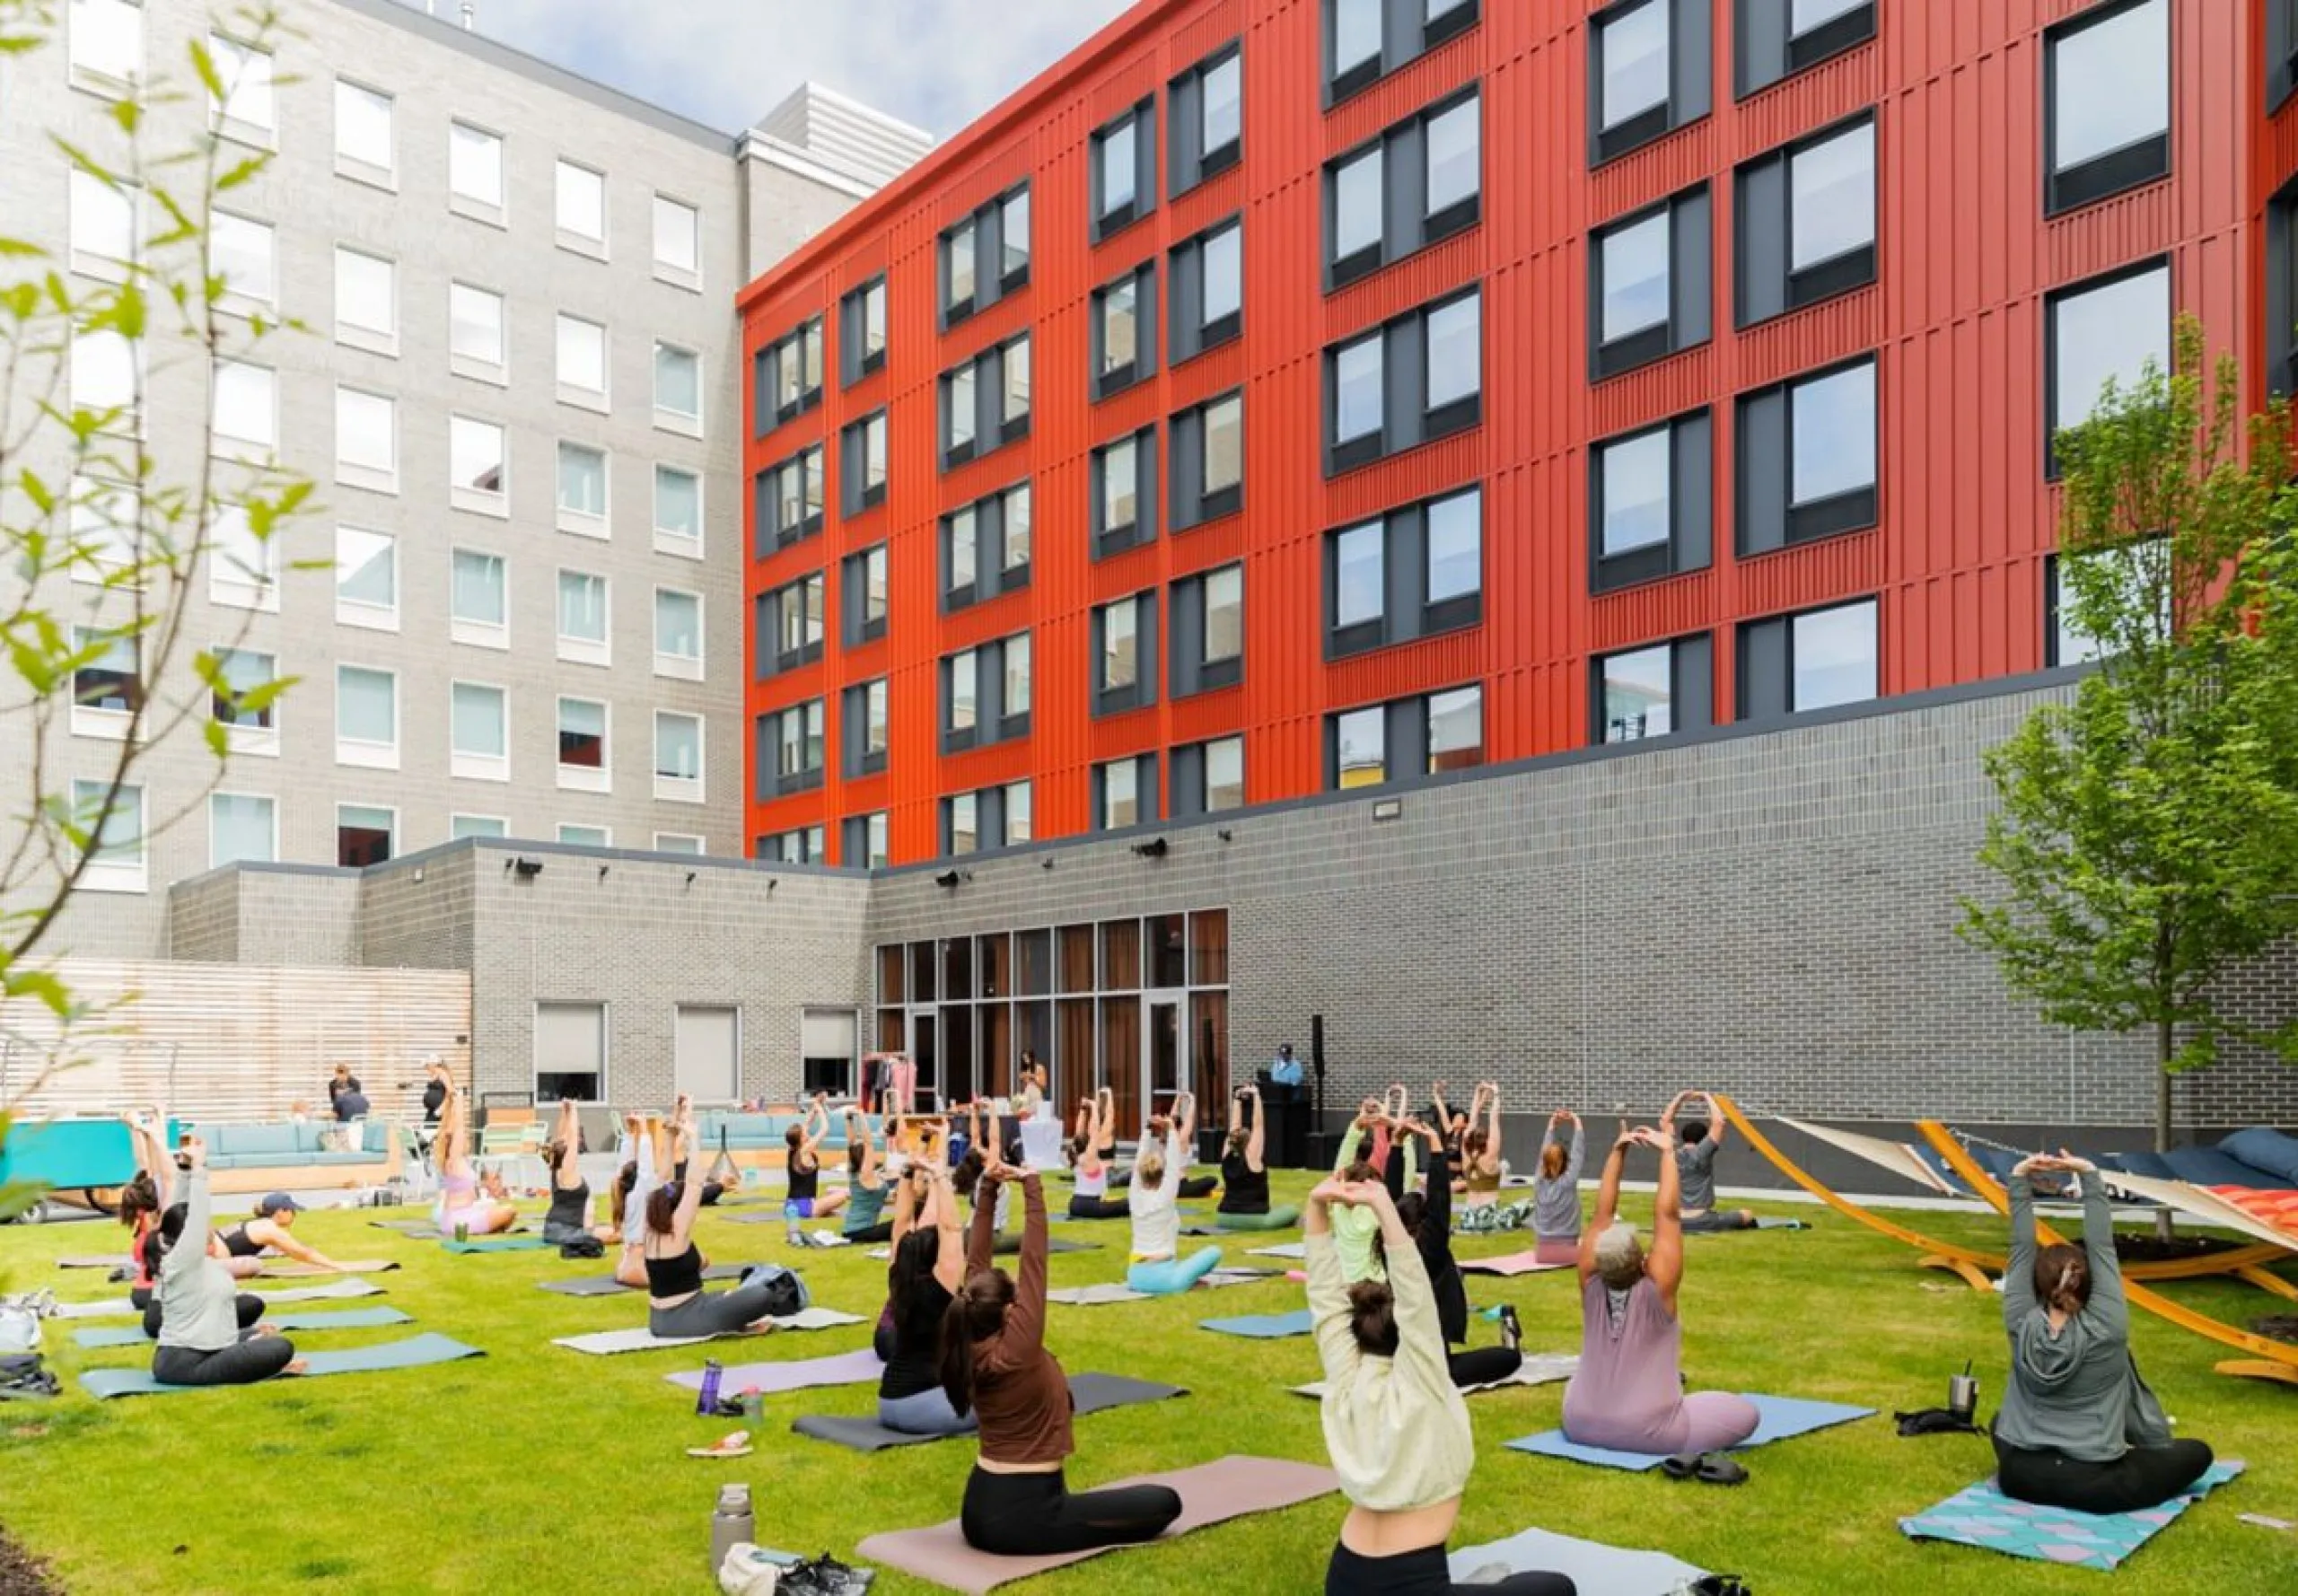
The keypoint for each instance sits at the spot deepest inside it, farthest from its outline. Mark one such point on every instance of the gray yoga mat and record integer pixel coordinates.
(348, 1319)
(1263, 1327)
(1539, 1368)
(1088, 1394)
(498, 1244)
(607, 1286)
(426, 1229)
(412, 1354)
(1590, 1564)
(795, 1374)
(335, 1292)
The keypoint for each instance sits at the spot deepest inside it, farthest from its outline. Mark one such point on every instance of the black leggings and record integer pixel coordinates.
(2143, 1476)
(871, 1235)
(242, 1364)
(1482, 1365)
(250, 1314)
(1086, 1208)
(1425, 1573)
(1200, 1186)
(1028, 1515)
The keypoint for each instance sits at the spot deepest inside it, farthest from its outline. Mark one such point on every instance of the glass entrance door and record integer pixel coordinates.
(1164, 1049)
(925, 1032)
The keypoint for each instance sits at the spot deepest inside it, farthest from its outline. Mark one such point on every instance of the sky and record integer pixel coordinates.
(934, 63)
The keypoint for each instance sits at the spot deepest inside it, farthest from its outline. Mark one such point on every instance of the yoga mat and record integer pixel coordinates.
(606, 1342)
(1591, 1565)
(348, 1319)
(607, 1286)
(1211, 1494)
(498, 1244)
(794, 1374)
(1509, 1263)
(288, 1269)
(1982, 1516)
(1117, 1291)
(1088, 1394)
(412, 1354)
(1764, 1222)
(1782, 1416)
(93, 1260)
(1263, 1327)
(1282, 1250)
(1539, 1368)
(427, 1230)
(334, 1291)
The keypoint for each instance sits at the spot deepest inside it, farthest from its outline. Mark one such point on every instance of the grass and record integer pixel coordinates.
(535, 1468)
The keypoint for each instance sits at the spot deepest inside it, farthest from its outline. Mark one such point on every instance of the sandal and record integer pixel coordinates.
(1717, 1470)
(1682, 1466)
(735, 1443)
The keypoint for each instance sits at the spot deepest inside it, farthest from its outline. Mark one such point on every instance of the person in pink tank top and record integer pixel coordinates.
(1629, 1393)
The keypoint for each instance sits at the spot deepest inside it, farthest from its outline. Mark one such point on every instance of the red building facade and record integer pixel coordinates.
(1456, 382)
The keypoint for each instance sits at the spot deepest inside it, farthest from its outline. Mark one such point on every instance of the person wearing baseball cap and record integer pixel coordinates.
(269, 1232)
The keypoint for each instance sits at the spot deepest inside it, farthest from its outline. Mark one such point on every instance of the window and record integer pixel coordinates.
(1016, 829)
(1125, 170)
(115, 840)
(788, 502)
(366, 302)
(868, 727)
(1208, 618)
(2281, 54)
(1807, 459)
(790, 754)
(585, 836)
(242, 827)
(107, 44)
(366, 440)
(862, 582)
(2145, 566)
(479, 738)
(105, 375)
(1207, 278)
(1369, 39)
(475, 173)
(365, 147)
(678, 242)
(678, 512)
(2101, 331)
(477, 478)
(570, 1052)
(105, 230)
(241, 252)
(461, 826)
(1120, 787)
(1649, 501)
(367, 717)
(364, 834)
(985, 548)
(246, 110)
(788, 376)
(1792, 664)
(1420, 182)
(1017, 668)
(107, 546)
(678, 634)
(1651, 692)
(242, 702)
(1418, 379)
(1014, 387)
(2106, 102)
(1806, 226)
(1455, 729)
(1361, 748)
(583, 745)
(862, 331)
(1416, 572)
(366, 579)
(1125, 654)
(986, 693)
(961, 404)
(1209, 777)
(479, 600)
(1125, 333)
(242, 571)
(1780, 37)
(790, 623)
(1208, 461)
(107, 687)
(985, 256)
(582, 490)
(868, 841)
(583, 626)
(582, 363)
(1016, 508)
(1204, 120)
(986, 402)
(1648, 282)
(678, 842)
(247, 411)
(581, 208)
(1647, 73)
(475, 332)
(677, 389)
(678, 758)
(961, 824)
(1367, 747)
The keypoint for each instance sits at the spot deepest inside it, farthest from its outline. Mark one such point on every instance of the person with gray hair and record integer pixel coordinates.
(1629, 1393)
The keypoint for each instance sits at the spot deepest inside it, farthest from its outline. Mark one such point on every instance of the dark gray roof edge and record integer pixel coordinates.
(515, 847)
(493, 52)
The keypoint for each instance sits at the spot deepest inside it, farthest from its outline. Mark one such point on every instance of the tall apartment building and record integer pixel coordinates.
(1279, 397)
(519, 612)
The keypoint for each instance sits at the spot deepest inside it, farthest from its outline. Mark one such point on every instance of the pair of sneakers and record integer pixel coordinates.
(750, 1571)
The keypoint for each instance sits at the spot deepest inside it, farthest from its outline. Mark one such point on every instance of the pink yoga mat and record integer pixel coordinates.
(791, 1374)
(1513, 1263)
(1211, 1494)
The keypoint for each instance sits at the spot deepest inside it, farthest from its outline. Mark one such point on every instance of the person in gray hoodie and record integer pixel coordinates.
(201, 1342)
(2079, 1429)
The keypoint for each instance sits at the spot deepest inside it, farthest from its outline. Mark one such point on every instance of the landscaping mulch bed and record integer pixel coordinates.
(21, 1573)
(2278, 1326)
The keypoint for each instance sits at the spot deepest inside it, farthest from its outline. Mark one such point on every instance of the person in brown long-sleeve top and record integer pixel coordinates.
(995, 1364)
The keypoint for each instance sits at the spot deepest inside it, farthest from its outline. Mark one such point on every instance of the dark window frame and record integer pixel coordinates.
(770, 533)
(854, 711)
(1142, 692)
(1799, 288)
(1103, 221)
(991, 280)
(992, 429)
(779, 598)
(1746, 634)
(2056, 296)
(993, 578)
(1406, 423)
(2119, 171)
(1691, 22)
(856, 363)
(1691, 684)
(1683, 551)
(2281, 53)
(1191, 336)
(1764, 51)
(1190, 503)
(1852, 510)
(857, 627)
(1685, 302)
(807, 778)
(1190, 161)
(1144, 528)
(1407, 227)
(1407, 34)
(1191, 672)
(1407, 614)
(858, 495)
(771, 417)
(1107, 382)
(1147, 782)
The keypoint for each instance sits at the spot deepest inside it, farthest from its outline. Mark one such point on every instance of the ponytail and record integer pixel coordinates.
(2063, 1278)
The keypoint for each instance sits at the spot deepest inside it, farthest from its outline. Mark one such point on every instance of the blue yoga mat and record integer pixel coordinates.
(411, 1354)
(1782, 1416)
(1983, 1516)
(1263, 1327)
(349, 1319)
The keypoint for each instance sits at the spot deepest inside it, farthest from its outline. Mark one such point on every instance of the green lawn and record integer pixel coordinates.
(535, 1469)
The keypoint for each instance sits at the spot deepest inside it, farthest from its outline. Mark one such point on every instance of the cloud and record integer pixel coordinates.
(936, 63)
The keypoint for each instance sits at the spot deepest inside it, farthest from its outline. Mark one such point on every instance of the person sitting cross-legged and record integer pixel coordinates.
(1698, 1143)
(1244, 1170)
(1158, 1267)
(204, 1340)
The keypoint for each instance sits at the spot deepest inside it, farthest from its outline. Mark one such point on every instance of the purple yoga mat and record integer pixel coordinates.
(791, 1374)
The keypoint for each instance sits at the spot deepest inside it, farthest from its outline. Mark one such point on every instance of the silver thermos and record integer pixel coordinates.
(731, 1525)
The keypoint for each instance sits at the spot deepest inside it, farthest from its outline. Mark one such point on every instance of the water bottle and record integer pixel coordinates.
(731, 1525)
(706, 1404)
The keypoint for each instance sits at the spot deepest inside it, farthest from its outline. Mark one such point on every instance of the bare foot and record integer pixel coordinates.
(297, 1366)
(764, 1327)
(267, 1328)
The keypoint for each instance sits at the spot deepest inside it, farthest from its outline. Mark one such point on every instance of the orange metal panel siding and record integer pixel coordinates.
(1955, 319)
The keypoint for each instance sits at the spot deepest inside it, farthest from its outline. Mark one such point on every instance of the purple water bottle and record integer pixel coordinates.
(707, 1403)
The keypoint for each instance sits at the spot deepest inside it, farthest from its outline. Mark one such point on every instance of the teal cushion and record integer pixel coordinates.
(376, 1138)
(307, 1136)
(261, 1160)
(240, 1139)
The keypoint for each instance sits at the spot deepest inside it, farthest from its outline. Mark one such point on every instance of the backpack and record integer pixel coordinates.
(22, 1375)
(785, 1293)
(583, 1247)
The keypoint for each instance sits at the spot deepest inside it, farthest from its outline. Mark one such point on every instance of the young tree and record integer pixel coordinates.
(2147, 834)
(107, 540)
